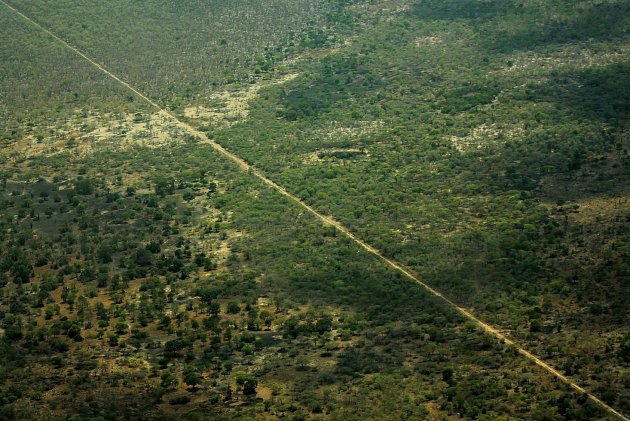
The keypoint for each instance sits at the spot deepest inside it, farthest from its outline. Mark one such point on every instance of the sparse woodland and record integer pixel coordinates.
(482, 144)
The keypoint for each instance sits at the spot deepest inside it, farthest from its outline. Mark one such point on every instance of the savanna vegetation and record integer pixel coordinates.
(482, 144)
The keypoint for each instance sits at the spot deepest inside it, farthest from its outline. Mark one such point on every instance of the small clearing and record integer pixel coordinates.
(485, 135)
(230, 107)
(85, 135)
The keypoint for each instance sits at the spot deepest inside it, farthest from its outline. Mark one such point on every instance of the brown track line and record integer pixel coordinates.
(328, 220)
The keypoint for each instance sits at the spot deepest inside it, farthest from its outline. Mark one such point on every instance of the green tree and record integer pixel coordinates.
(192, 378)
(83, 187)
(233, 307)
(168, 380)
(248, 383)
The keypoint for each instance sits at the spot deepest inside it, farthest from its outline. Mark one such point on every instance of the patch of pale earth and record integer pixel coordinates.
(232, 106)
(4, 110)
(132, 363)
(318, 156)
(312, 158)
(263, 302)
(575, 56)
(386, 8)
(83, 135)
(320, 52)
(263, 392)
(429, 40)
(407, 234)
(595, 210)
(25, 145)
(485, 134)
(158, 131)
(223, 251)
(215, 245)
(337, 131)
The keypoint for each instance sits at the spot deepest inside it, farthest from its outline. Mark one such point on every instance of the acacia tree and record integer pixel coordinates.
(192, 378)
(248, 382)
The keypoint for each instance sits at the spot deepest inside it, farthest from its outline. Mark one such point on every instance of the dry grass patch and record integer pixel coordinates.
(83, 135)
(230, 107)
(484, 135)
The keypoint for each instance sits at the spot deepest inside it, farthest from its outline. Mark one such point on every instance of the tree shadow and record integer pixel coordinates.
(601, 22)
(464, 9)
(580, 138)
(505, 26)
(597, 94)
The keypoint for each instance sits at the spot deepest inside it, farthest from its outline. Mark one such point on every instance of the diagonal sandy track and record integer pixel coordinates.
(328, 220)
